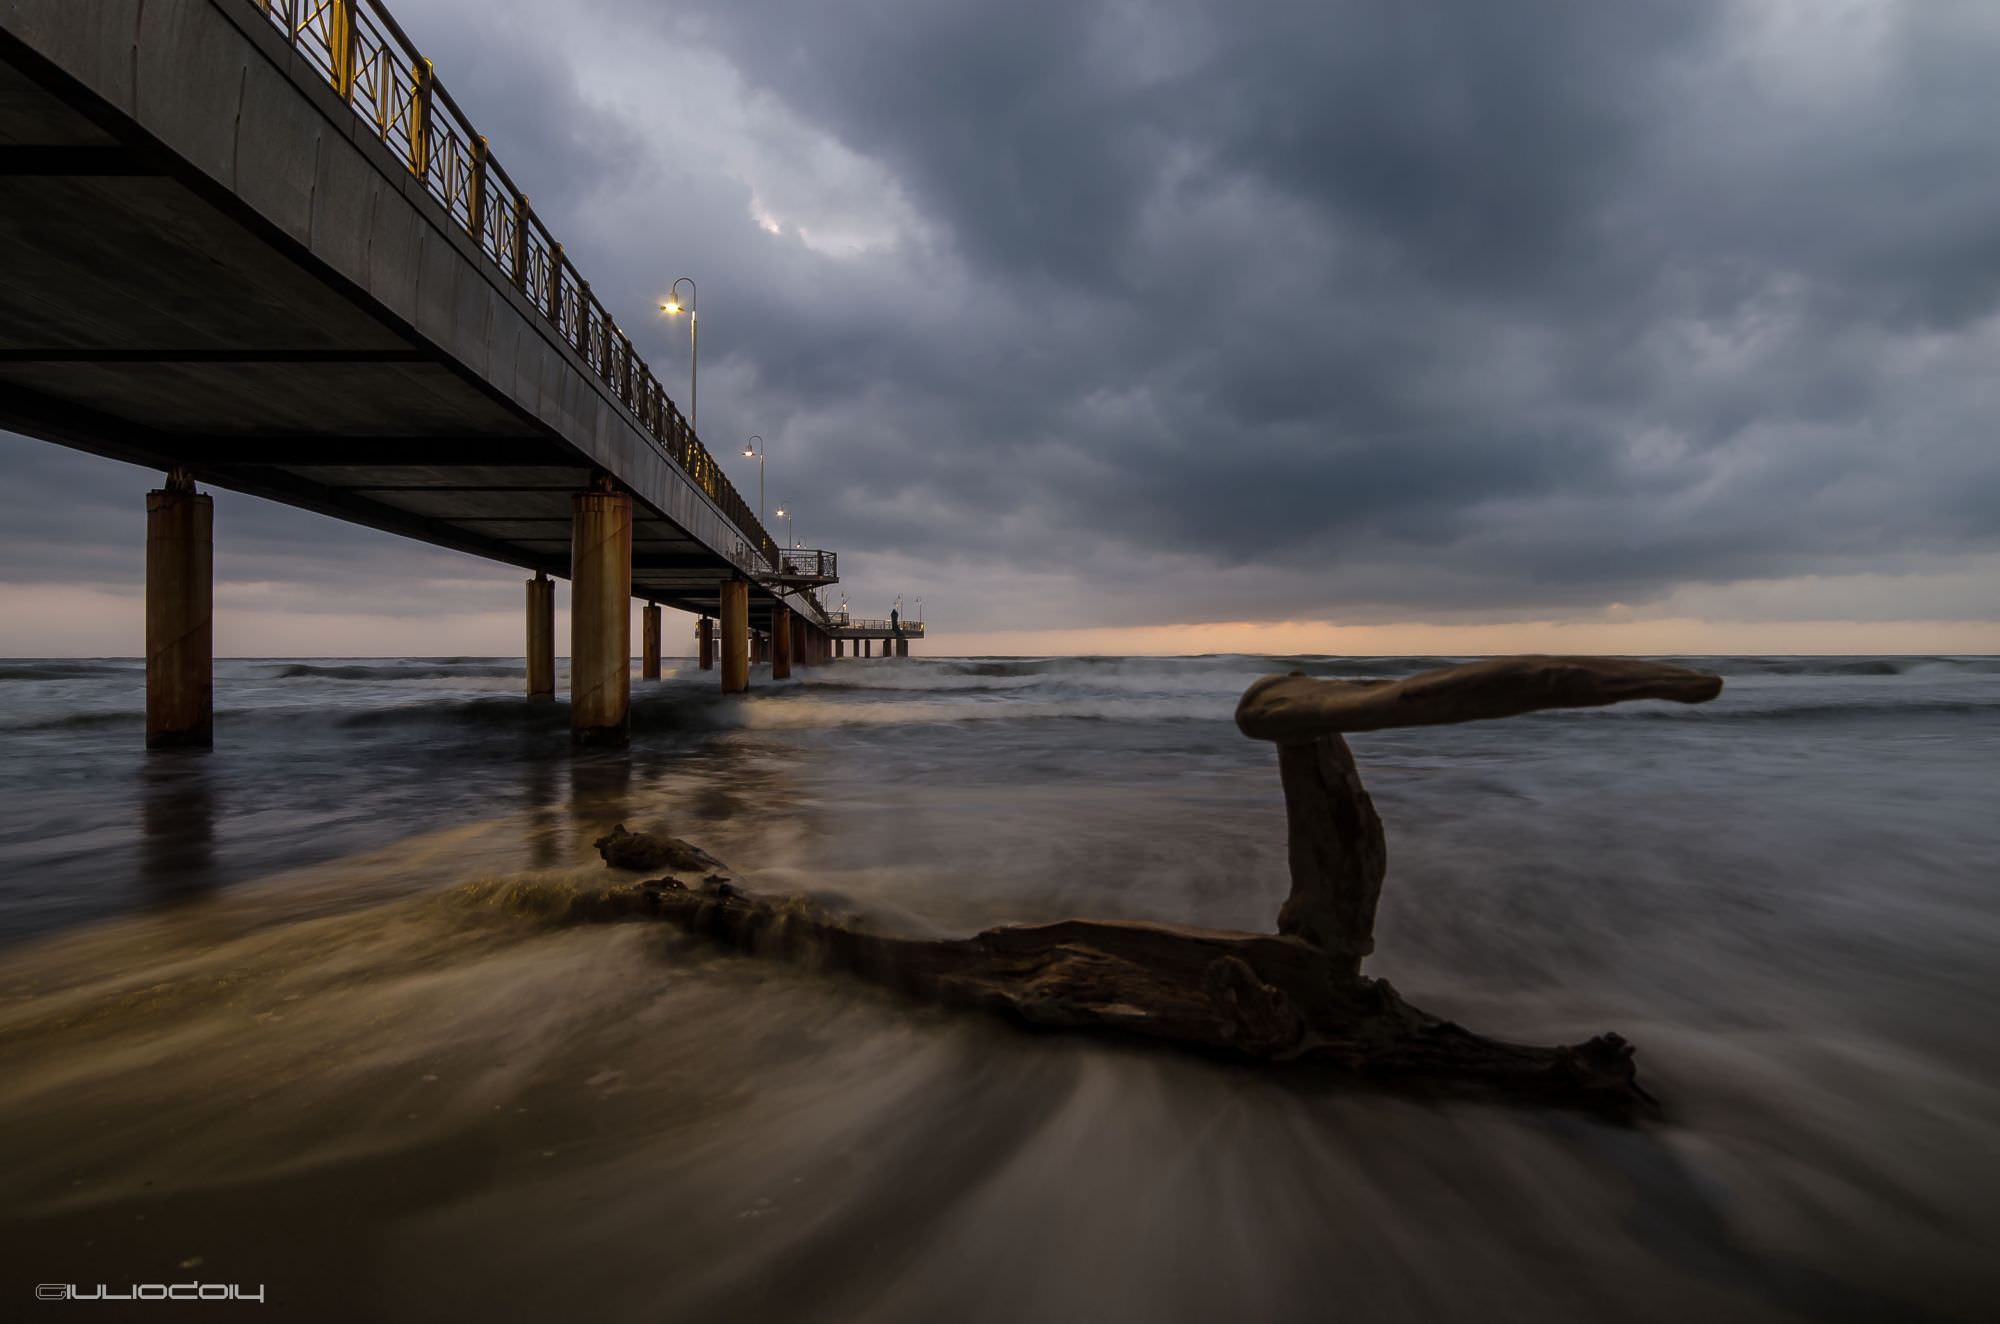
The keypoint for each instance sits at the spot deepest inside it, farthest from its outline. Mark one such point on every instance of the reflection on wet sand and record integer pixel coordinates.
(177, 814)
(544, 826)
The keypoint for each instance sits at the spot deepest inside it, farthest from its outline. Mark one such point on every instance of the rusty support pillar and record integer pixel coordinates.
(781, 642)
(705, 643)
(735, 626)
(649, 643)
(541, 637)
(180, 624)
(600, 617)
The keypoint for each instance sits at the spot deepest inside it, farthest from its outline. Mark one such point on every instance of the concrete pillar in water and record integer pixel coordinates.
(735, 626)
(902, 648)
(839, 649)
(180, 628)
(600, 617)
(541, 637)
(704, 634)
(864, 648)
(781, 642)
(649, 643)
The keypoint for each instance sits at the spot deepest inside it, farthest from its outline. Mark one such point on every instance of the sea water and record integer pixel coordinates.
(305, 1010)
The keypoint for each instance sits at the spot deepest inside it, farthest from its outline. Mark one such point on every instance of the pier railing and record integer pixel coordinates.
(368, 61)
(809, 563)
(910, 629)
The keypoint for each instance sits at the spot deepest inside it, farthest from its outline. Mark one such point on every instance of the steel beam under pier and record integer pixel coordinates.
(180, 637)
(600, 618)
(735, 616)
(649, 643)
(541, 637)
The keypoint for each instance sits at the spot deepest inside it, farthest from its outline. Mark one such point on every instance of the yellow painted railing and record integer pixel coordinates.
(366, 58)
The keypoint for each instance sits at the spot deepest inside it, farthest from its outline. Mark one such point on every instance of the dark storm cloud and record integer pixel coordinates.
(1366, 309)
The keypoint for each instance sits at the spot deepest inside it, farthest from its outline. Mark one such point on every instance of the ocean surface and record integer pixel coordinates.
(305, 1011)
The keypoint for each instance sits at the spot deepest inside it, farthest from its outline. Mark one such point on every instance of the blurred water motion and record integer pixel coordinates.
(307, 1008)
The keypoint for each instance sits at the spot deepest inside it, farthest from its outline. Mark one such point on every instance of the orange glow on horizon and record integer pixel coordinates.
(49, 620)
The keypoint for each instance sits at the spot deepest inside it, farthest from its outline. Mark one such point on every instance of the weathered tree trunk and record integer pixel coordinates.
(1247, 995)
(1338, 857)
(1295, 996)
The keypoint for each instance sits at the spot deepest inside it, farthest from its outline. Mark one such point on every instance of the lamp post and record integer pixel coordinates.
(673, 307)
(755, 446)
(787, 516)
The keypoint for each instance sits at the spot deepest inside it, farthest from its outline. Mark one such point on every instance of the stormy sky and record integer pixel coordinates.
(1193, 324)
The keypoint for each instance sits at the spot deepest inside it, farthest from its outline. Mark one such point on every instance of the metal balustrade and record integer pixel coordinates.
(809, 563)
(911, 629)
(368, 61)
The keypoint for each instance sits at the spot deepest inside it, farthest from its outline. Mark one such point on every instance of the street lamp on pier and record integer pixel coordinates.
(672, 307)
(787, 517)
(755, 446)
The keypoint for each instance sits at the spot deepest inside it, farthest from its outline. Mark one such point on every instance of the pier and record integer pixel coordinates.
(893, 636)
(255, 244)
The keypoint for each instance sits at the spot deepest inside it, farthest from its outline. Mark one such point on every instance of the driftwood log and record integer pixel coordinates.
(1338, 858)
(1294, 996)
(644, 851)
